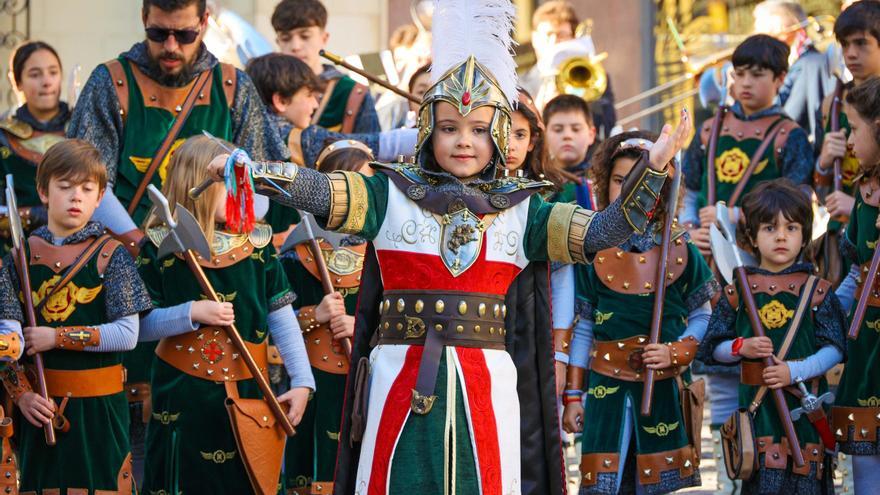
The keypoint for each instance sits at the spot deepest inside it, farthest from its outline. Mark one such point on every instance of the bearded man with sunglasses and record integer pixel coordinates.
(136, 109)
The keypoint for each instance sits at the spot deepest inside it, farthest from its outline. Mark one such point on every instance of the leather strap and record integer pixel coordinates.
(803, 305)
(713, 149)
(75, 268)
(176, 127)
(352, 107)
(120, 84)
(775, 127)
(328, 91)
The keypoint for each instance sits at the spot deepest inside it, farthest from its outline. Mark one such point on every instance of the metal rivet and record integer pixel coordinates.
(439, 306)
(462, 307)
(438, 327)
(459, 328)
(401, 305)
(419, 306)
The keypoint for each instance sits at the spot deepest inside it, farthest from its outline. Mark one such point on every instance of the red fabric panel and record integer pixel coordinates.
(478, 382)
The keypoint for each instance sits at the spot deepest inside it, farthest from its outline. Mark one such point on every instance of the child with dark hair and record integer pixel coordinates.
(857, 29)
(570, 136)
(35, 70)
(804, 325)
(621, 449)
(87, 296)
(857, 408)
(300, 29)
(751, 141)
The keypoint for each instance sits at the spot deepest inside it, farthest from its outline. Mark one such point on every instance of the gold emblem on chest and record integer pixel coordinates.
(218, 456)
(732, 164)
(141, 163)
(63, 302)
(774, 314)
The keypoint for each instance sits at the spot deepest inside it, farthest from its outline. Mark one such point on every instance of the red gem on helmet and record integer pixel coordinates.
(466, 98)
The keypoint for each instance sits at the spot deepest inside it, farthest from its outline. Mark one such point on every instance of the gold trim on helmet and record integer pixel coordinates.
(467, 86)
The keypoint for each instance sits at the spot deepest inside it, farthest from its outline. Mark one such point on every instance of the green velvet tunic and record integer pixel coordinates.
(190, 447)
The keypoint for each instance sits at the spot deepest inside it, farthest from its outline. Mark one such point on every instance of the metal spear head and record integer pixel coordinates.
(185, 233)
(12, 211)
(307, 230)
(722, 239)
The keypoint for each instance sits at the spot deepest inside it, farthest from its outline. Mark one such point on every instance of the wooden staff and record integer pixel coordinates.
(336, 59)
(323, 271)
(238, 342)
(835, 126)
(660, 288)
(868, 288)
(21, 267)
(778, 394)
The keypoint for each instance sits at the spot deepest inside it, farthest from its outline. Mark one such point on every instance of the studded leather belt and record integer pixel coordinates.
(208, 353)
(622, 359)
(435, 319)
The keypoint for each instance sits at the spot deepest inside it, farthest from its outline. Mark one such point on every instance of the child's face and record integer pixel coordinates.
(298, 109)
(779, 243)
(861, 53)
(863, 139)
(420, 87)
(569, 135)
(41, 81)
(755, 88)
(304, 43)
(70, 206)
(619, 171)
(520, 142)
(462, 145)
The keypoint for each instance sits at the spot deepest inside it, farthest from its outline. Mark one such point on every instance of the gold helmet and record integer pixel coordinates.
(473, 48)
(466, 87)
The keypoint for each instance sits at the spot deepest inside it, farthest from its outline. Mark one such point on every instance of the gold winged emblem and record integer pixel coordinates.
(63, 302)
(662, 429)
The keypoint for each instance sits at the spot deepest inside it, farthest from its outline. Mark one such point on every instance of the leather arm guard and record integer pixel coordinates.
(10, 347)
(683, 351)
(77, 338)
(641, 193)
(562, 339)
(15, 381)
(574, 378)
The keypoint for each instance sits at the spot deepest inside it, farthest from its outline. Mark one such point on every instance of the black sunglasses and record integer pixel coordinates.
(183, 36)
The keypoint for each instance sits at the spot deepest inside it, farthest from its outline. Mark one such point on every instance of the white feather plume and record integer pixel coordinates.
(482, 28)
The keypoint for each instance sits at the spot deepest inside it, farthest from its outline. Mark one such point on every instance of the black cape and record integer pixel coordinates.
(531, 348)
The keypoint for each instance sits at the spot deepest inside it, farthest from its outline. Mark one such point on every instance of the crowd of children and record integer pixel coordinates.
(426, 322)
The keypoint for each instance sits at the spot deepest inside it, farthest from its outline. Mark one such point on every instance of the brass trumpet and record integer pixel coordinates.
(583, 76)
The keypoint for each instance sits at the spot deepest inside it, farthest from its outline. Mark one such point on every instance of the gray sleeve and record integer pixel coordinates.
(117, 336)
(167, 322)
(309, 191)
(251, 129)
(10, 309)
(97, 119)
(608, 229)
(287, 336)
(367, 120)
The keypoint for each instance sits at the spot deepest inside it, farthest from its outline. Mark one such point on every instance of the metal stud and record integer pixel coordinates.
(669, 460)
(438, 327)
(621, 345)
(626, 285)
(606, 463)
(648, 285)
(607, 356)
(462, 307)
(643, 259)
(401, 305)
(600, 259)
(609, 277)
(679, 260)
(619, 254)
(647, 472)
(459, 328)
(481, 309)
(178, 108)
(496, 310)
(477, 328)
(439, 306)
(419, 306)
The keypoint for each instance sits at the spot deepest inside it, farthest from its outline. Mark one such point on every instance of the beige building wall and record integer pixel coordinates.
(89, 32)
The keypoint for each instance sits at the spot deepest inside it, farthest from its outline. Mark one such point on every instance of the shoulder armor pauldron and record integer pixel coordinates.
(17, 128)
